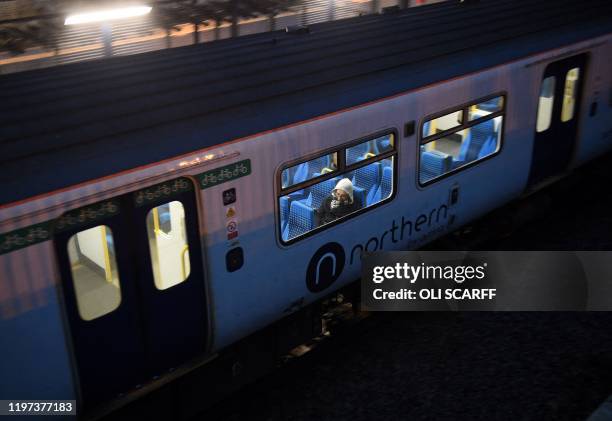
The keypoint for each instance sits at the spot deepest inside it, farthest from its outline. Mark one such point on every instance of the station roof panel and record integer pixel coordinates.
(73, 123)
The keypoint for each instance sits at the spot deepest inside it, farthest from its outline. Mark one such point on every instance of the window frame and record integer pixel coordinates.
(464, 125)
(342, 168)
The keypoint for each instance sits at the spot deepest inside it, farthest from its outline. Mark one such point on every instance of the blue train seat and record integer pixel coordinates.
(489, 147)
(306, 171)
(359, 196)
(386, 184)
(433, 164)
(491, 105)
(384, 143)
(356, 153)
(285, 179)
(425, 132)
(301, 173)
(477, 137)
(375, 146)
(319, 192)
(317, 165)
(301, 220)
(284, 203)
(300, 194)
(368, 178)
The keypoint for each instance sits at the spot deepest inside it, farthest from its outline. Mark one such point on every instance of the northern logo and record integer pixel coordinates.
(325, 267)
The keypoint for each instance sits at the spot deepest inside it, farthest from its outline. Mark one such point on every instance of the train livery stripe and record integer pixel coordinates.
(223, 174)
(37, 233)
(86, 215)
(25, 237)
(33, 234)
(161, 192)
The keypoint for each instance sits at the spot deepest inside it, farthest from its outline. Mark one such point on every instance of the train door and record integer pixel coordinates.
(557, 118)
(133, 285)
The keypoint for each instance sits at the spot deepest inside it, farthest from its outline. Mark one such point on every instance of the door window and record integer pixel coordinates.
(545, 105)
(569, 94)
(168, 244)
(94, 272)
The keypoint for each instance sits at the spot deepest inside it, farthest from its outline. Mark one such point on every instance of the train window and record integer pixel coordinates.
(545, 104)
(442, 124)
(310, 169)
(363, 179)
(485, 108)
(476, 139)
(370, 148)
(94, 272)
(168, 245)
(336, 198)
(569, 94)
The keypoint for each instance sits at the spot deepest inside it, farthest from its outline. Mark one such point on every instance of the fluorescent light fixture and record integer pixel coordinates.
(105, 15)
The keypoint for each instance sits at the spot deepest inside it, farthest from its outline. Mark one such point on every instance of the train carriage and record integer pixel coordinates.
(158, 208)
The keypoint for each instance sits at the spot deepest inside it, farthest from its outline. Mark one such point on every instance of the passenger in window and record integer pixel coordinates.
(338, 204)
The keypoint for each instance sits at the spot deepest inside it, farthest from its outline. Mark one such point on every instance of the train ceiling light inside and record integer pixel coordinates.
(106, 15)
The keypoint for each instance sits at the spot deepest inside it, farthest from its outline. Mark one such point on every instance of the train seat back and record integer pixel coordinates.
(433, 164)
(284, 203)
(316, 165)
(319, 192)
(368, 178)
(477, 137)
(386, 184)
(356, 153)
(490, 106)
(301, 220)
(301, 173)
(489, 147)
(384, 143)
(425, 132)
(359, 196)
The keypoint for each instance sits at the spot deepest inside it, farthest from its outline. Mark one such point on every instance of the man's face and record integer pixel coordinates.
(342, 196)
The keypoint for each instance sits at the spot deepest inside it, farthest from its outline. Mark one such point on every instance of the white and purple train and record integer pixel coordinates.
(156, 209)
